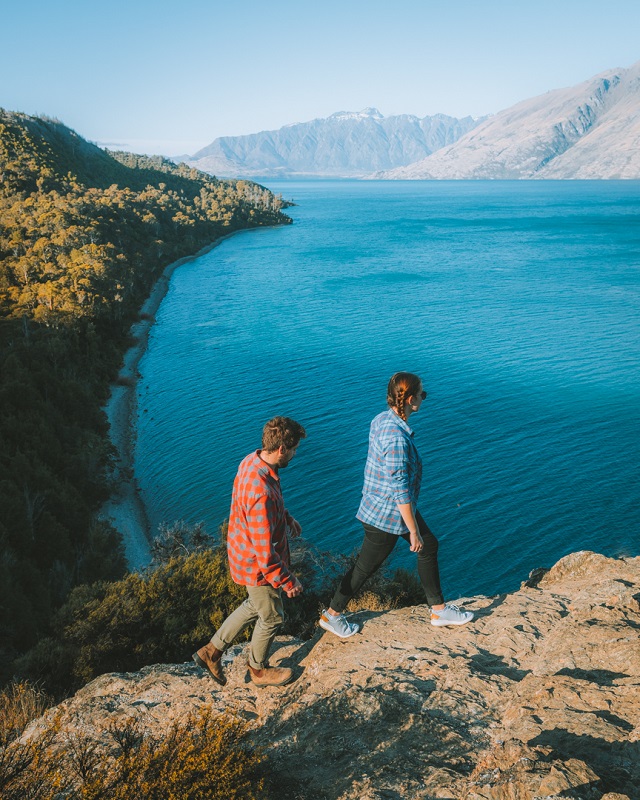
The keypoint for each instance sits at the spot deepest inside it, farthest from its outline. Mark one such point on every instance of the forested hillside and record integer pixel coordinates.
(83, 235)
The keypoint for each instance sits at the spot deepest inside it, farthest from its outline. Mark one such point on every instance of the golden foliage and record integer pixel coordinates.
(84, 234)
(384, 592)
(203, 757)
(19, 704)
(27, 771)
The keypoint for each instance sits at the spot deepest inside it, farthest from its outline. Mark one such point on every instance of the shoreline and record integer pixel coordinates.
(125, 509)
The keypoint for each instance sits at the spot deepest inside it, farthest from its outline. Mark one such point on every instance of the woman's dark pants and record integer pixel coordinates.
(376, 547)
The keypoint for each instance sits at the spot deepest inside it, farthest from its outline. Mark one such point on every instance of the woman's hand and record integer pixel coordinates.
(408, 515)
(415, 542)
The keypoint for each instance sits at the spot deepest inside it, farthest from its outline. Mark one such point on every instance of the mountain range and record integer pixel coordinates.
(587, 131)
(591, 130)
(344, 145)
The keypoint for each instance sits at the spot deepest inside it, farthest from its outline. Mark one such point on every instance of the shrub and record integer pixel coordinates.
(205, 757)
(20, 703)
(159, 616)
(145, 618)
(27, 772)
(180, 539)
(384, 592)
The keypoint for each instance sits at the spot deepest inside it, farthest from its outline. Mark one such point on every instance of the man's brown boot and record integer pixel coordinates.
(270, 676)
(209, 658)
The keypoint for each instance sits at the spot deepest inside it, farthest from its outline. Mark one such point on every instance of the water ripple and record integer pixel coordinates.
(517, 303)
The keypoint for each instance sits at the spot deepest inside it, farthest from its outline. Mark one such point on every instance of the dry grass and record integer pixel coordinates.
(384, 592)
(371, 601)
(27, 771)
(20, 703)
(204, 757)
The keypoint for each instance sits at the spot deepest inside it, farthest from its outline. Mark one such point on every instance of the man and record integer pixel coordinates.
(258, 552)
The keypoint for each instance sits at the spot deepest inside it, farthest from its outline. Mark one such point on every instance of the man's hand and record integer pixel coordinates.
(415, 542)
(295, 590)
(295, 528)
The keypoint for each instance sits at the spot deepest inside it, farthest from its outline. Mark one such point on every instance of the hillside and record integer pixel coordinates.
(345, 145)
(591, 130)
(83, 237)
(538, 697)
(44, 149)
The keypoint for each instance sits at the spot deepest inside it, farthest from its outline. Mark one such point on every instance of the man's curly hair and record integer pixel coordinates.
(282, 432)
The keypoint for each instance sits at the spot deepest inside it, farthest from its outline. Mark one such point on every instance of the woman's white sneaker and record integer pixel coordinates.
(338, 625)
(450, 615)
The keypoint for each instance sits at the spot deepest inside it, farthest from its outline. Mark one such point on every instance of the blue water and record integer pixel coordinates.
(517, 302)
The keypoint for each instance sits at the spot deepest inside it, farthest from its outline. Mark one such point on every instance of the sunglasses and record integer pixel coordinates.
(423, 394)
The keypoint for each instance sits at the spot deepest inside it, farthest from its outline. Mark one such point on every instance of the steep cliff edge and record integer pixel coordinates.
(539, 697)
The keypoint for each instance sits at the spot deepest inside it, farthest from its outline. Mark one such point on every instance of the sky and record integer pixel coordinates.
(166, 77)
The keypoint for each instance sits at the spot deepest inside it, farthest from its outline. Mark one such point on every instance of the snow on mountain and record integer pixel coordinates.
(346, 144)
(591, 130)
(372, 113)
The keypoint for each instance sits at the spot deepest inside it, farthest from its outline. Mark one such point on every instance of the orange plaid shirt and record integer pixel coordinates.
(257, 542)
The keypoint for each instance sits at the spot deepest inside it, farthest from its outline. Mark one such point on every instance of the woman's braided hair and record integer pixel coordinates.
(402, 386)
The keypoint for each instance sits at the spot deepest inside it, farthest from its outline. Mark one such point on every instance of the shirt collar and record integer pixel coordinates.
(262, 465)
(397, 419)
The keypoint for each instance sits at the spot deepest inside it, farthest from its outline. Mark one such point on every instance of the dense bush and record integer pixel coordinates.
(205, 757)
(145, 618)
(161, 615)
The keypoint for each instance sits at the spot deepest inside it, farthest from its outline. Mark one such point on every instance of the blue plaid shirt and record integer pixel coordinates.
(392, 474)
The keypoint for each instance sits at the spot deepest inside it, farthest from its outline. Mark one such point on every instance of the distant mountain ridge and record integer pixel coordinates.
(588, 131)
(344, 145)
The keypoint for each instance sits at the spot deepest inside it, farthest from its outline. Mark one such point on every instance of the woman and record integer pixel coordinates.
(388, 510)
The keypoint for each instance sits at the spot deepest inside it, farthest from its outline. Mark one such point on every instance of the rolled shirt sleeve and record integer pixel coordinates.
(396, 459)
(392, 474)
(257, 543)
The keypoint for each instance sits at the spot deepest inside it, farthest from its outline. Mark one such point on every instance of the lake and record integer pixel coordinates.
(516, 302)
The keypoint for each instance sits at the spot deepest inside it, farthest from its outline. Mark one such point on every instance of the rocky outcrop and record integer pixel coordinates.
(591, 130)
(539, 697)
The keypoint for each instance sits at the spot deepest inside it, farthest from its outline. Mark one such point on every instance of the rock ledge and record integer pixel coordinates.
(539, 697)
